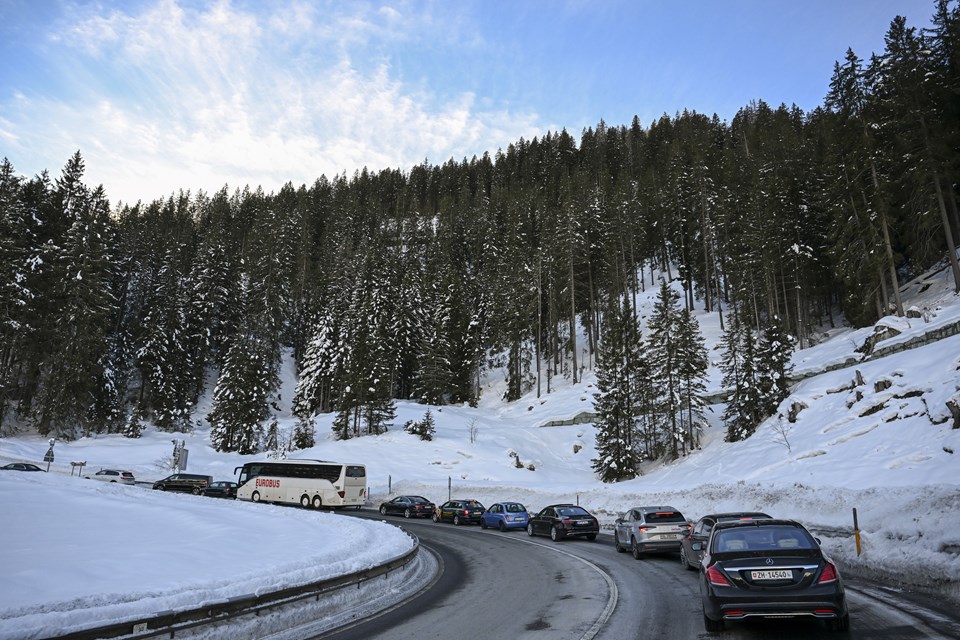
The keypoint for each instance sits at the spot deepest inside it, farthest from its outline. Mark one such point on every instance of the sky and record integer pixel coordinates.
(167, 95)
(68, 559)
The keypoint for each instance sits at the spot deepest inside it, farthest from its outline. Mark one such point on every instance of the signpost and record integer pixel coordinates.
(48, 456)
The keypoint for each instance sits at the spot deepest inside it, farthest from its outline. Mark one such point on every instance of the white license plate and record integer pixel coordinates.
(668, 536)
(783, 574)
(582, 522)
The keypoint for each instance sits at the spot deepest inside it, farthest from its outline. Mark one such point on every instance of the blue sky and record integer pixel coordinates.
(163, 95)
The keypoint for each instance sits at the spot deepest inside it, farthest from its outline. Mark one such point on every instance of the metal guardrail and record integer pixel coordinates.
(168, 623)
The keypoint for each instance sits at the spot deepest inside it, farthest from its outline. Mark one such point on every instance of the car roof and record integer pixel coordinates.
(738, 514)
(761, 522)
(653, 509)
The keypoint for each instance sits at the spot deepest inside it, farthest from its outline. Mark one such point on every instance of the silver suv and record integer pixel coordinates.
(650, 530)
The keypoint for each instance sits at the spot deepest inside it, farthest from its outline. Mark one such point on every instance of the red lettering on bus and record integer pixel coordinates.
(267, 482)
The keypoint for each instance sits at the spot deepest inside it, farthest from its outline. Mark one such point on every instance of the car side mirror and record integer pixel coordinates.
(697, 546)
(818, 540)
(619, 521)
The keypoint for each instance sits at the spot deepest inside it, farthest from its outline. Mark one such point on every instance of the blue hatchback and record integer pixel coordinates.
(505, 515)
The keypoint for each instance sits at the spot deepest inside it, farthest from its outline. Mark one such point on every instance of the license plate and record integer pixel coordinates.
(583, 522)
(782, 574)
(668, 536)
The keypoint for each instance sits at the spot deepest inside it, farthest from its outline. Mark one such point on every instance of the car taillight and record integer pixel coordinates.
(566, 522)
(716, 578)
(341, 493)
(828, 575)
(644, 529)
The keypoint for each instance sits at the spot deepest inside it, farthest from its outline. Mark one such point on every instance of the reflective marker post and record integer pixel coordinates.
(856, 530)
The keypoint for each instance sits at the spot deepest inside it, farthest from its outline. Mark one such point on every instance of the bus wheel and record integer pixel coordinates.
(305, 501)
(255, 496)
(317, 502)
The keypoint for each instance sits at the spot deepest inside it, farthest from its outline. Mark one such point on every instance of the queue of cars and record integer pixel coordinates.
(750, 564)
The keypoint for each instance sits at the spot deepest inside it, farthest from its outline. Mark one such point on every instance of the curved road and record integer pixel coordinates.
(508, 585)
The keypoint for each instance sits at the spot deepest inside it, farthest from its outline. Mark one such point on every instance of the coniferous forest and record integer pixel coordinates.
(407, 283)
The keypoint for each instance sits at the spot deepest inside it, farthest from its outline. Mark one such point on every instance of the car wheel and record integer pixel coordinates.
(683, 559)
(383, 510)
(502, 526)
(113, 482)
(305, 501)
(841, 624)
(555, 534)
(591, 537)
(407, 514)
(317, 502)
(616, 543)
(483, 523)
(635, 549)
(530, 530)
(712, 626)
(456, 521)
(196, 491)
(255, 496)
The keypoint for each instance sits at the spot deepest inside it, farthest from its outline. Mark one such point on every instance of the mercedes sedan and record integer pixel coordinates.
(564, 521)
(408, 507)
(769, 568)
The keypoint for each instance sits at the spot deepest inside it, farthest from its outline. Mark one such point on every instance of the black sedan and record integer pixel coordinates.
(564, 520)
(221, 489)
(689, 556)
(769, 569)
(20, 466)
(408, 506)
(459, 512)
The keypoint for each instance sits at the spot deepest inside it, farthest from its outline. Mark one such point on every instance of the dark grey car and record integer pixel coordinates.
(693, 546)
(194, 483)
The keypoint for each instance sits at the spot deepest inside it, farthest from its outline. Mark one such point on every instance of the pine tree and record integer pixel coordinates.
(304, 435)
(663, 344)
(741, 414)
(616, 401)
(241, 396)
(692, 373)
(773, 366)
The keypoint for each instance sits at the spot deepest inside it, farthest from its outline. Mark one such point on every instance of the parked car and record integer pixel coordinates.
(409, 507)
(505, 515)
(221, 489)
(690, 558)
(20, 466)
(649, 530)
(113, 475)
(768, 568)
(564, 520)
(459, 512)
(188, 482)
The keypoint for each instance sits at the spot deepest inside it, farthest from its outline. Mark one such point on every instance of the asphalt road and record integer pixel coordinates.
(508, 585)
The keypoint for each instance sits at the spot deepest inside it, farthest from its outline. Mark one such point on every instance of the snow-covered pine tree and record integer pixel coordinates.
(692, 372)
(738, 363)
(240, 397)
(85, 304)
(663, 355)
(616, 399)
(304, 435)
(773, 366)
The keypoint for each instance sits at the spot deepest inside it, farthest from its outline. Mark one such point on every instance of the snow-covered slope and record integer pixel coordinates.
(872, 434)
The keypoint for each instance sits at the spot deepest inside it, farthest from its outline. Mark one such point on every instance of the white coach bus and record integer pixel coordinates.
(311, 483)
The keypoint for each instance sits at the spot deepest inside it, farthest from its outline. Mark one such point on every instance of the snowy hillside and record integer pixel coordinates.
(874, 434)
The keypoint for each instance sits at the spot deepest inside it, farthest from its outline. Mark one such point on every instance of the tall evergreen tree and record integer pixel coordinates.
(616, 401)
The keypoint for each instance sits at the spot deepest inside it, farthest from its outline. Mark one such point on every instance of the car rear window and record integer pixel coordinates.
(762, 539)
(515, 508)
(665, 516)
(572, 511)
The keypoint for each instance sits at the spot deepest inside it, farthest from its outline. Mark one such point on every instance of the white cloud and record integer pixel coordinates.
(175, 98)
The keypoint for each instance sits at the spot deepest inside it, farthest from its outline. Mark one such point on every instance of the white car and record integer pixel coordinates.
(113, 475)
